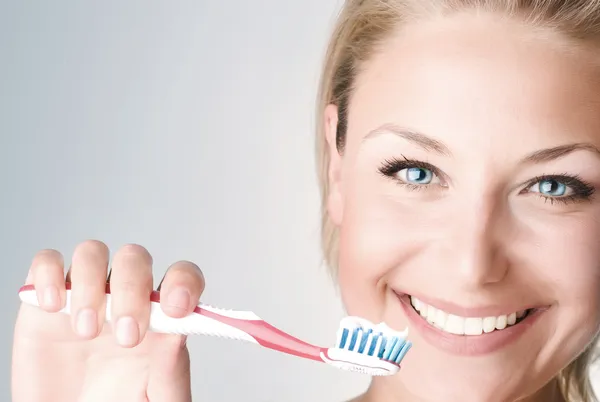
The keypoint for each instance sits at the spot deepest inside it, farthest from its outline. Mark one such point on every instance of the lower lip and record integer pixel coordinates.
(468, 345)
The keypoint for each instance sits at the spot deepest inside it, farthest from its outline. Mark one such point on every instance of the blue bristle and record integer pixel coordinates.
(384, 341)
(388, 350)
(396, 350)
(377, 344)
(403, 351)
(371, 351)
(353, 339)
(344, 338)
(364, 340)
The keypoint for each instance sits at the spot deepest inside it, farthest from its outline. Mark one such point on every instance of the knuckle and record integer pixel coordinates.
(134, 251)
(185, 268)
(87, 297)
(89, 262)
(90, 252)
(126, 286)
(48, 256)
(129, 279)
(132, 264)
(91, 248)
(130, 296)
(187, 274)
(47, 260)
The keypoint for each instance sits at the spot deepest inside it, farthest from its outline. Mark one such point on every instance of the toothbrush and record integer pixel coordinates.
(361, 346)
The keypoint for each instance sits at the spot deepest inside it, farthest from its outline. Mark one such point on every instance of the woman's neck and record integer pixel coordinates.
(379, 391)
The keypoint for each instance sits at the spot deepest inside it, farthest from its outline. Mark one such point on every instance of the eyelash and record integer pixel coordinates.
(582, 191)
(391, 167)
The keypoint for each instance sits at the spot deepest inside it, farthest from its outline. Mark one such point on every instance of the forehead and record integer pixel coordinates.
(476, 75)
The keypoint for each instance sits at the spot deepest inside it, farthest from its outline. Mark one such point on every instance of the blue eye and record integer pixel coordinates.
(551, 188)
(413, 173)
(416, 175)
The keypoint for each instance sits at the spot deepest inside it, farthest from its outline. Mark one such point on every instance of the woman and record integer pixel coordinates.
(459, 153)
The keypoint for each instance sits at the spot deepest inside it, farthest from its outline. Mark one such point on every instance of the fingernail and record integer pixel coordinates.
(87, 323)
(179, 298)
(51, 297)
(127, 331)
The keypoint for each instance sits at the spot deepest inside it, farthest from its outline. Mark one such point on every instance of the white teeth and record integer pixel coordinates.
(501, 322)
(440, 319)
(489, 324)
(464, 325)
(473, 326)
(431, 311)
(455, 325)
(512, 319)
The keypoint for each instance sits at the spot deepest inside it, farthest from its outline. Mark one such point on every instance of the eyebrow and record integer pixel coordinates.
(546, 155)
(425, 142)
(430, 144)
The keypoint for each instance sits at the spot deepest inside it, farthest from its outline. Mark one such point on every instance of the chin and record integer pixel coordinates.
(430, 380)
(462, 391)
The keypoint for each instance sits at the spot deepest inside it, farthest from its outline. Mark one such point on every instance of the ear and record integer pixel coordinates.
(335, 201)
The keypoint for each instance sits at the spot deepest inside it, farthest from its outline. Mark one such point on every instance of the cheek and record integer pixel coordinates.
(563, 259)
(365, 252)
(377, 235)
(568, 260)
(563, 252)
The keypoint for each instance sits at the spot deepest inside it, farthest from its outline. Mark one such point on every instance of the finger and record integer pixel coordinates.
(181, 288)
(87, 276)
(130, 287)
(47, 275)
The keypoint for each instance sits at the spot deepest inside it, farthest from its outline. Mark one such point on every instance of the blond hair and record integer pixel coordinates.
(363, 25)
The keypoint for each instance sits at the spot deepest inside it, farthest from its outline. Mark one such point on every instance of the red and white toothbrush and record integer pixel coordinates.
(361, 346)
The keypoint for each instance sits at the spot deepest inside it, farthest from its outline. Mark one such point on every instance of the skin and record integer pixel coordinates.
(102, 363)
(492, 91)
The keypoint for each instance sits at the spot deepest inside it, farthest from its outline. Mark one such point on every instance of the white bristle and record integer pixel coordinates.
(379, 340)
(369, 341)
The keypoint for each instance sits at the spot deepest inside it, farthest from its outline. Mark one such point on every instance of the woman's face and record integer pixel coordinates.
(470, 186)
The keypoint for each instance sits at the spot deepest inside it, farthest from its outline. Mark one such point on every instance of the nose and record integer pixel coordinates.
(477, 255)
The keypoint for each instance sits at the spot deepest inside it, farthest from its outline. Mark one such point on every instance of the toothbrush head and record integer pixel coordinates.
(367, 348)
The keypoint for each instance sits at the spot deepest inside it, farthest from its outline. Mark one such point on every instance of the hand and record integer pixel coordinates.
(79, 358)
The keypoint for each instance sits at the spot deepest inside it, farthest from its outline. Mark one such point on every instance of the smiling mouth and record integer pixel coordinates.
(470, 326)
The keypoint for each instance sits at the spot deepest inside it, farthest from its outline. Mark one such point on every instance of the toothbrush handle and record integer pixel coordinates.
(206, 320)
(267, 335)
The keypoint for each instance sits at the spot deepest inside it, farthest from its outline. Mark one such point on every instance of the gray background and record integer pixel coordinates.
(186, 127)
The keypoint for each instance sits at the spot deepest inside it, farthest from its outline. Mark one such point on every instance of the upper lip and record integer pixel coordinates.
(463, 311)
